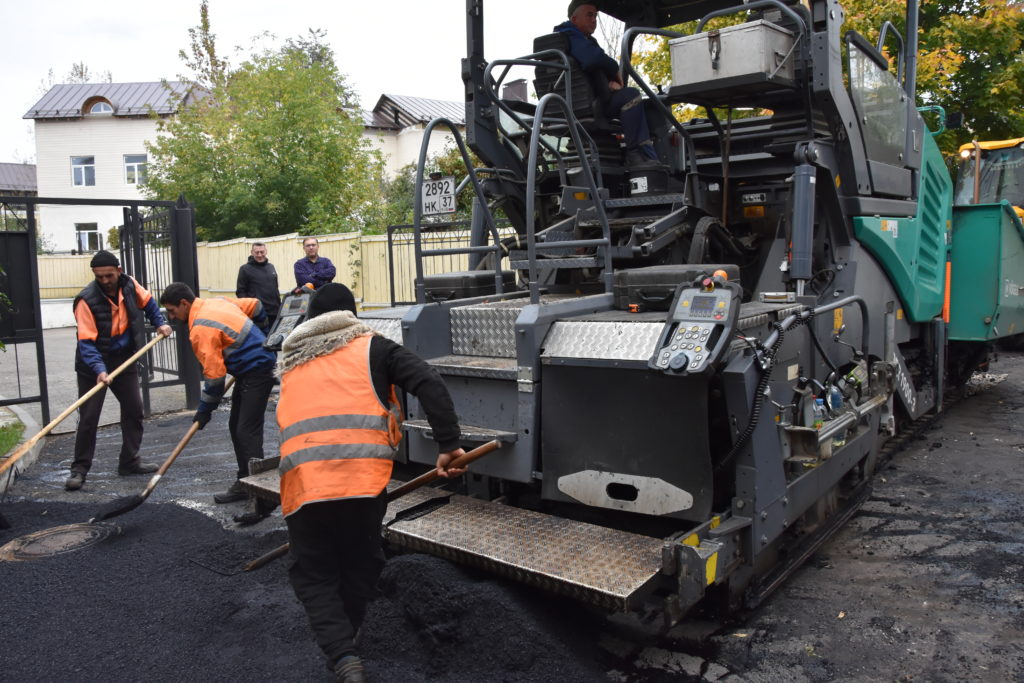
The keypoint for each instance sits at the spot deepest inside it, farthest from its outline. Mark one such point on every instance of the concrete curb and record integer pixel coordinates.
(31, 428)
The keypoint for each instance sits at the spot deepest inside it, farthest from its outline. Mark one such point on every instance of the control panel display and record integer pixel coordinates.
(699, 329)
(702, 306)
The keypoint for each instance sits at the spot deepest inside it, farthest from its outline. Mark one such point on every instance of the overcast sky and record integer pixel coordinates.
(402, 47)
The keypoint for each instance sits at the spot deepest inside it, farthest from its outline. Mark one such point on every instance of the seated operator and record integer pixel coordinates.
(625, 103)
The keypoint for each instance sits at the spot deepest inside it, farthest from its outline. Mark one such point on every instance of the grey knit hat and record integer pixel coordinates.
(575, 5)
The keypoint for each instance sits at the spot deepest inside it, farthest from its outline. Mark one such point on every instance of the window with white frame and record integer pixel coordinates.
(134, 169)
(87, 236)
(83, 171)
(101, 107)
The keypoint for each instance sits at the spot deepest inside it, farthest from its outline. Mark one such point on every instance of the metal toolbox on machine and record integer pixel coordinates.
(735, 61)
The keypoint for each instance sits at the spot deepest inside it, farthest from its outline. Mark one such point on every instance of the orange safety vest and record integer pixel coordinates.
(337, 439)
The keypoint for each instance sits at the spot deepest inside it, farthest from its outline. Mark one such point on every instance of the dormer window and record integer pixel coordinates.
(98, 105)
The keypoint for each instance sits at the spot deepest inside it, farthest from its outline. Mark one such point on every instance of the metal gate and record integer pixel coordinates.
(157, 248)
(21, 320)
(155, 251)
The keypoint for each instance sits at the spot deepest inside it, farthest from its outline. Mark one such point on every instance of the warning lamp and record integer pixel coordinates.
(753, 212)
(722, 274)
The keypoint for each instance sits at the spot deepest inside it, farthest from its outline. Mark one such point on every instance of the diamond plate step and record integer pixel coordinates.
(476, 366)
(469, 432)
(606, 567)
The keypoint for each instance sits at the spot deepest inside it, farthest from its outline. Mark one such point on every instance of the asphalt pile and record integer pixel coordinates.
(165, 600)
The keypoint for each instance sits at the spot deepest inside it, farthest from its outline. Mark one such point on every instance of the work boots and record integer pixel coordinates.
(235, 493)
(349, 670)
(74, 482)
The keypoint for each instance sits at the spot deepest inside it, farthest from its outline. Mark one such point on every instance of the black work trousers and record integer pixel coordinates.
(248, 410)
(337, 553)
(126, 390)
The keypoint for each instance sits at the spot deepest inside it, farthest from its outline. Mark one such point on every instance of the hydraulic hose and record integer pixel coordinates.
(768, 359)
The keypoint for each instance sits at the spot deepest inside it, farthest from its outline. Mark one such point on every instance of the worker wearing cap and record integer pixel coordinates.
(227, 336)
(340, 428)
(108, 315)
(603, 71)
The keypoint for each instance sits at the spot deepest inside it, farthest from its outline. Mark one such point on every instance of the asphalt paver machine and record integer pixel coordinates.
(692, 365)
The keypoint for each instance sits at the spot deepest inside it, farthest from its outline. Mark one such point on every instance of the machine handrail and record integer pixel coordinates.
(535, 60)
(803, 20)
(626, 65)
(531, 181)
(901, 69)
(421, 293)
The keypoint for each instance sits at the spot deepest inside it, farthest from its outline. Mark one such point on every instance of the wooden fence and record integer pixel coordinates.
(361, 260)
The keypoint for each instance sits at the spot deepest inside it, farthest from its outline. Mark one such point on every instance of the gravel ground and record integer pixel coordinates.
(924, 584)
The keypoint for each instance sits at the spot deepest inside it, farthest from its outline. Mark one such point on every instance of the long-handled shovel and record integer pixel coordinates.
(25, 447)
(405, 488)
(129, 503)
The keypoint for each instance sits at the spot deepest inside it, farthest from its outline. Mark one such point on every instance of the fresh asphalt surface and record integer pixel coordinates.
(925, 583)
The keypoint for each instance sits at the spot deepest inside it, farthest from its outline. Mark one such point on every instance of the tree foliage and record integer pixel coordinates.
(398, 193)
(270, 147)
(969, 60)
(207, 70)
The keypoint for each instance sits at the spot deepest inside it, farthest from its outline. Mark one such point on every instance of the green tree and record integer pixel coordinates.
(969, 60)
(271, 147)
(398, 193)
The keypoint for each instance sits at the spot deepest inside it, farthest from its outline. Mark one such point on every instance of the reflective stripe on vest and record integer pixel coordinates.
(237, 337)
(337, 439)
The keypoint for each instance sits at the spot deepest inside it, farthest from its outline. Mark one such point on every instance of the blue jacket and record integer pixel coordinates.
(585, 50)
(319, 273)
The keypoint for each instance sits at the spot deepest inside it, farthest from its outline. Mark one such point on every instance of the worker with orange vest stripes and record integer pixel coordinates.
(340, 428)
(226, 340)
(108, 315)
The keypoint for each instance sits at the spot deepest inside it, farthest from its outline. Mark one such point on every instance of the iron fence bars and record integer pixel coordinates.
(23, 322)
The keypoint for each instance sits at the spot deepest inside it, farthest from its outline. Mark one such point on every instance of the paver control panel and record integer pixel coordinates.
(699, 328)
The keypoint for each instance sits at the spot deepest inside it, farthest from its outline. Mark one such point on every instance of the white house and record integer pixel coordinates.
(396, 124)
(91, 144)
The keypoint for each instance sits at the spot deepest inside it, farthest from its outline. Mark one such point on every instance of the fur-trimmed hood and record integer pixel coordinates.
(318, 337)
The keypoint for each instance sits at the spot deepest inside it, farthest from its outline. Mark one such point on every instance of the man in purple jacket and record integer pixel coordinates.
(313, 269)
(625, 103)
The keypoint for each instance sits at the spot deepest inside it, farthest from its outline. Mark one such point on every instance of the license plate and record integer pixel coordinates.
(438, 196)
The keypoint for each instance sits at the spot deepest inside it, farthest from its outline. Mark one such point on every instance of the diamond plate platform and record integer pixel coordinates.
(606, 567)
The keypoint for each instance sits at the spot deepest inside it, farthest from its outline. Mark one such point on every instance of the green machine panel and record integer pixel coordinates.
(913, 250)
(987, 285)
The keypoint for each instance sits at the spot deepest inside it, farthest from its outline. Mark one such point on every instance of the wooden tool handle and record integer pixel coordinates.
(427, 477)
(166, 464)
(24, 448)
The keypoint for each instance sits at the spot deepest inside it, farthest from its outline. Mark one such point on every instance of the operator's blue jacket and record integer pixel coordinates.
(587, 51)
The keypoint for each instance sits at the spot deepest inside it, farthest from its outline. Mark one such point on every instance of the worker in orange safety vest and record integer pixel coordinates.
(227, 337)
(340, 428)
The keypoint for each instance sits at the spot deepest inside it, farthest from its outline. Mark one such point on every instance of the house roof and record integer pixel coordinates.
(17, 178)
(128, 99)
(401, 111)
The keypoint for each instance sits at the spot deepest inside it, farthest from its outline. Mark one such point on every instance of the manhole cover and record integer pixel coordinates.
(56, 541)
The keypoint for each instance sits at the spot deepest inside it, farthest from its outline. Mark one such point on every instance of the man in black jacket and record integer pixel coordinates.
(257, 279)
(108, 315)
